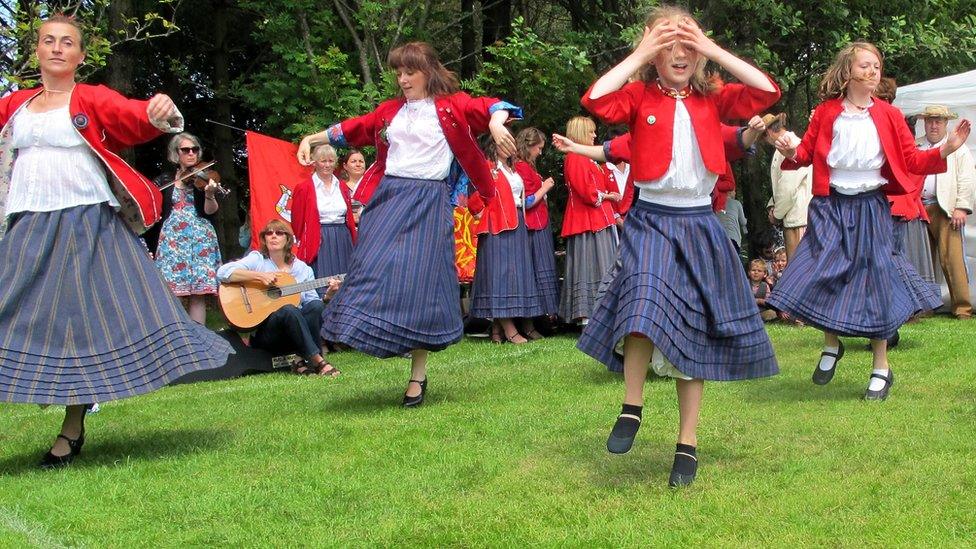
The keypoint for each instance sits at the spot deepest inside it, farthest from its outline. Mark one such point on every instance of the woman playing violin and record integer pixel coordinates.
(187, 254)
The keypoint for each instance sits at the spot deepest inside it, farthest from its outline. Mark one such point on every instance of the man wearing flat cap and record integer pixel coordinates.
(948, 199)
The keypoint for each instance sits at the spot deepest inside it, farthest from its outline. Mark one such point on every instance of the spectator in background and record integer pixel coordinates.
(760, 288)
(792, 189)
(733, 220)
(353, 167)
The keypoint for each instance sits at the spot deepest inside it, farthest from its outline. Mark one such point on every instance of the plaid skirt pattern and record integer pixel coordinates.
(845, 277)
(544, 266)
(401, 290)
(679, 283)
(85, 316)
(504, 282)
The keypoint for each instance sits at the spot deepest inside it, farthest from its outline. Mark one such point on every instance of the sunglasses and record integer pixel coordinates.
(188, 150)
(276, 232)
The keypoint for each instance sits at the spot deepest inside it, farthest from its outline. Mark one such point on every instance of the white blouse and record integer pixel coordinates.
(620, 176)
(54, 168)
(418, 148)
(332, 207)
(514, 181)
(855, 156)
(687, 183)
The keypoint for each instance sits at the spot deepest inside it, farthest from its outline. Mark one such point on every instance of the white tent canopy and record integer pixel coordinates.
(958, 92)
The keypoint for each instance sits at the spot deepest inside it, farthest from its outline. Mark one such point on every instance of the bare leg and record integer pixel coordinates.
(637, 356)
(70, 427)
(831, 340)
(689, 405)
(418, 371)
(880, 349)
(511, 332)
(198, 309)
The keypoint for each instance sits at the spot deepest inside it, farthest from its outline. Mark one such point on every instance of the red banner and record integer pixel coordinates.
(274, 172)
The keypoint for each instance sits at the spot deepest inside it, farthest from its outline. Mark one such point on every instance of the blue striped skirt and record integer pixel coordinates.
(504, 282)
(679, 283)
(925, 294)
(401, 290)
(334, 251)
(589, 257)
(844, 277)
(86, 317)
(544, 266)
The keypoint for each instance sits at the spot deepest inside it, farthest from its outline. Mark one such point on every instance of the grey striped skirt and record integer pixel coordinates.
(910, 243)
(504, 281)
(401, 292)
(334, 253)
(589, 257)
(680, 284)
(85, 316)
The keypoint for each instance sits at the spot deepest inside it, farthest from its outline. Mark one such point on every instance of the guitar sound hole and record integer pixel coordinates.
(274, 292)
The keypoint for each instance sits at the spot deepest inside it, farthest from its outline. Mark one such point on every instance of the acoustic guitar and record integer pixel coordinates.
(247, 304)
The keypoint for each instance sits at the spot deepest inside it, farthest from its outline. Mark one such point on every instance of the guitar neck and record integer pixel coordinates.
(293, 289)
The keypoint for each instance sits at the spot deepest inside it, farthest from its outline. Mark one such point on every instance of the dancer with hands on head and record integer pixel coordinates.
(401, 293)
(844, 279)
(680, 300)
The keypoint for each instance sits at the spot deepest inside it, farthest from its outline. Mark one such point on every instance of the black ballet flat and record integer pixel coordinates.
(617, 444)
(51, 461)
(883, 392)
(414, 401)
(679, 479)
(823, 377)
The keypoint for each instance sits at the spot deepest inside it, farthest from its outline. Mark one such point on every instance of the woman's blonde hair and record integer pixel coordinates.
(67, 20)
(278, 225)
(323, 151)
(757, 263)
(578, 129)
(838, 75)
(700, 82)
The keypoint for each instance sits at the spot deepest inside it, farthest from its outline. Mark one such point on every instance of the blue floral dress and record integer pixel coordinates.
(188, 255)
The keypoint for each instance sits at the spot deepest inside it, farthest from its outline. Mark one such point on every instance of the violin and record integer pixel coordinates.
(199, 176)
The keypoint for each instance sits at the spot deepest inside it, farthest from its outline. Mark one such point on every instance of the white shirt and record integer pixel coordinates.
(620, 176)
(54, 168)
(929, 190)
(514, 181)
(418, 148)
(332, 207)
(255, 261)
(687, 183)
(855, 156)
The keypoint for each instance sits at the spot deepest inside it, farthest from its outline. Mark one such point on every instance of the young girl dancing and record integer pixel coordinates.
(401, 293)
(680, 299)
(844, 279)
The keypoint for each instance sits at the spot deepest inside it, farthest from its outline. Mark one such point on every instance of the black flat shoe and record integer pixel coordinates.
(823, 377)
(51, 461)
(414, 401)
(618, 444)
(687, 462)
(883, 392)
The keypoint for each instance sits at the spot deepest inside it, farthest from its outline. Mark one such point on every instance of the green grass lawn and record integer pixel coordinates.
(509, 451)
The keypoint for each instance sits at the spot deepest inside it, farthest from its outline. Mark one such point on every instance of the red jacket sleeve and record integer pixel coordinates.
(581, 173)
(476, 111)
(126, 122)
(739, 102)
(476, 204)
(530, 178)
(307, 248)
(618, 149)
(360, 131)
(804, 152)
(617, 107)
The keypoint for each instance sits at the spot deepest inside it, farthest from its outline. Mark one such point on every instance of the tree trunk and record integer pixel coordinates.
(469, 60)
(496, 23)
(227, 220)
(119, 66)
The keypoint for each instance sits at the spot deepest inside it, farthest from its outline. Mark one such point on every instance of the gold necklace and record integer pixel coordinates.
(671, 92)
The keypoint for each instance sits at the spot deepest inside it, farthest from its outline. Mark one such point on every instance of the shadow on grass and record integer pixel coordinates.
(787, 389)
(101, 451)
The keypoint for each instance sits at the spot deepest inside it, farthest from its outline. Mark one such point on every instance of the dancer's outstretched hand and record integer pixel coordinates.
(957, 138)
(562, 144)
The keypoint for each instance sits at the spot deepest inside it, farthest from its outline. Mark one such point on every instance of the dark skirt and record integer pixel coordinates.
(679, 283)
(86, 317)
(401, 291)
(544, 266)
(334, 251)
(504, 283)
(925, 294)
(844, 277)
(589, 257)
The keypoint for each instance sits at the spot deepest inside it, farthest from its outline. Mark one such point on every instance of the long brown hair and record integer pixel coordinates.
(421, 56)
(279, 225)
(838, 75)
(700, 82)
(526, 139)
